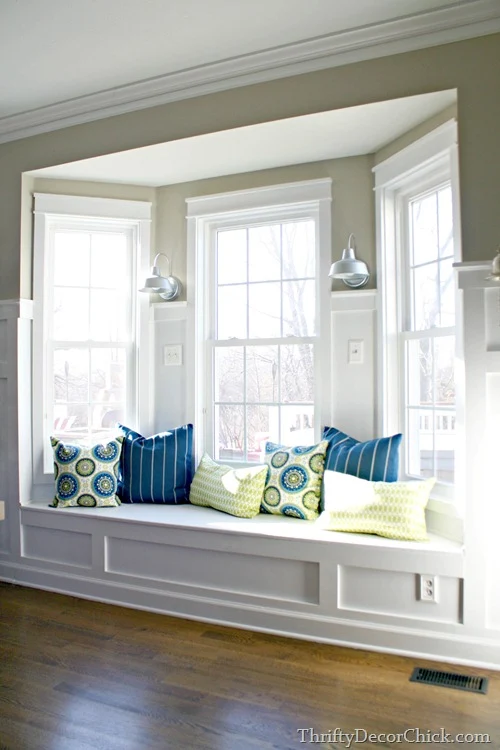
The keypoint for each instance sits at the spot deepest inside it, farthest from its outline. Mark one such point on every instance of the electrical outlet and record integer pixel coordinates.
(172, 354)
(355, 352)
(428, 588)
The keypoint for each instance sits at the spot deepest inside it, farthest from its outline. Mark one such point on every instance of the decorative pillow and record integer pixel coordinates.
(235, 491)
(86, 476)
(376, 460)
(293, 485)
(391, 509)
(156, 469)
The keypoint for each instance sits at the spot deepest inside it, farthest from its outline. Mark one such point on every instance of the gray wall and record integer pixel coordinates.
(352, 205)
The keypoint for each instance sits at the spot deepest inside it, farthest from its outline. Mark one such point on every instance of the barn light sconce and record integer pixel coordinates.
(495, 268)
(353, 272)
(168, 287)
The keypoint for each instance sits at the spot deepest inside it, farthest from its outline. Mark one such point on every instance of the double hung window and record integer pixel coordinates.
(86, 327)
(418, 242)
(259, 340)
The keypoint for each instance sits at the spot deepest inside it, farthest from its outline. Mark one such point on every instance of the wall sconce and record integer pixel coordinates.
(495, 268)
(353, 272)
(168, 287)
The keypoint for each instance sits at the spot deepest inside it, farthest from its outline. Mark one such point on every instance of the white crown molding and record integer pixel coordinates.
(462, 20)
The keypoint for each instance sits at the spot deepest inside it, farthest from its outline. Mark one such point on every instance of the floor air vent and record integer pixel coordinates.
(450, 679)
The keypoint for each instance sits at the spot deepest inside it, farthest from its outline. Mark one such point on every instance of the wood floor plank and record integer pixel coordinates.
(82, 675)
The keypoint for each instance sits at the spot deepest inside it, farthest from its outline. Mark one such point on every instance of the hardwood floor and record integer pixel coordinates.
(79, 675)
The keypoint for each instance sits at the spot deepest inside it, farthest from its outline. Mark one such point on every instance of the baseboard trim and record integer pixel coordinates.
(431, 645)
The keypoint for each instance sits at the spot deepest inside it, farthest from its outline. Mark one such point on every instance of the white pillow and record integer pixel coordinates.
(344, 492)
(392, 509)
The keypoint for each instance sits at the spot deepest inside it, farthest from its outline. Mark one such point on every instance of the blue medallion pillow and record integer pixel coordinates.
(86, 476)
(376, 460)
(294, 478)
(156, 469)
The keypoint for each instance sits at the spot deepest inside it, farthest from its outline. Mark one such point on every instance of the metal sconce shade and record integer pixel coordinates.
(495, 268)
(168, 287)
(353, 272)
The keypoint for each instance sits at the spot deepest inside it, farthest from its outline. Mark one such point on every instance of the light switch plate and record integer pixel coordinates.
(172, 354)
(355, 352)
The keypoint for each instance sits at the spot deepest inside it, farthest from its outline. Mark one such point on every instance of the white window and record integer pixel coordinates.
(260, 260)
(418, 242)
(86, 369)
(428, 331)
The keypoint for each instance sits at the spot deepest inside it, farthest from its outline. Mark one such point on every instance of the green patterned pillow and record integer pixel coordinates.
(294, 480)
(395, 510)
(86, 476)
(235, 491)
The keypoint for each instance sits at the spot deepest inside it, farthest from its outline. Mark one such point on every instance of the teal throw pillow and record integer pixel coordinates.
(293, 486)
(86, 476)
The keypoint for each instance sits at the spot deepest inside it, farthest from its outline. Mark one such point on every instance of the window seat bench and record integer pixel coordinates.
(270, 573)
(270, 526)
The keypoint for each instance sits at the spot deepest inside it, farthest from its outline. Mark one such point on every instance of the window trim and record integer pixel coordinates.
(431, 158)
(204, 215)
(48, 208)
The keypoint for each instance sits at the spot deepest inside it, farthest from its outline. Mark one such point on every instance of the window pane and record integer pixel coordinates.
(262, 373)
(297, 425)
(445, 222)
(229, 372)
(229, 432)
(264, 310)
(109, 266)
(420, 443)
(425, 229)
(108, 417)
(425, 297)
(71, 421)
(445, 446)
(232, 312)
(298, 308)
(264, 257)
(108, 315)
(71, 375)
(262, 425)
(444, 354)
(71, 258)
(297, 373)
(447, 289)
(299, 250)
(231, 256)
(420, 372)
(108, 378)
(71, 314)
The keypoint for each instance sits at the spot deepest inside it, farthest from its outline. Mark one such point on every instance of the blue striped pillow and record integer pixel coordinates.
(376, 460)
(157, 469)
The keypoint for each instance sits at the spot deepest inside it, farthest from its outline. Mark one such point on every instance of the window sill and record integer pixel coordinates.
(444, 519)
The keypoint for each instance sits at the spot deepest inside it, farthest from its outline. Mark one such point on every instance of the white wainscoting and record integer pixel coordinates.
(277, 575)
(353, 386)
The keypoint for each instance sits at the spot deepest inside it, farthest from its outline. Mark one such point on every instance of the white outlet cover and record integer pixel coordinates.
(355, 351)
(172, 355)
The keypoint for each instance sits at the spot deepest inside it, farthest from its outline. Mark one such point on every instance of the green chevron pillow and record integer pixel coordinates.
(235, 491)
(293, 485)
(395, 510)
(86, 476)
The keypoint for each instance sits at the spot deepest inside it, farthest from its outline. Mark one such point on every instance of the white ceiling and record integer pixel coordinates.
(57, 55)
(56, 50)
(327, 135)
